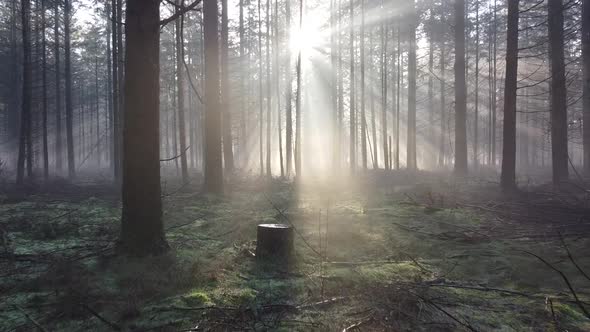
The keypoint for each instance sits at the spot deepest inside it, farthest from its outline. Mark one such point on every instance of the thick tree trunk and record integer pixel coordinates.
(559, 142)
(142, 231)
(508, 178)
(213, 158)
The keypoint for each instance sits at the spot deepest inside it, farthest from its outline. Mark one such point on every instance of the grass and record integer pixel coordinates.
(387, 258)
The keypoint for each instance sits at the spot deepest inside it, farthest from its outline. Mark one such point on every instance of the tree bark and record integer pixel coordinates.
(142, 231)
(363, 115)
(352, 111)
(213, 157)
(559, 141)
(508, 177)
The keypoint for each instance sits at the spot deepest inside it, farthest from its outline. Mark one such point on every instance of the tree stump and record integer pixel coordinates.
(274, 241)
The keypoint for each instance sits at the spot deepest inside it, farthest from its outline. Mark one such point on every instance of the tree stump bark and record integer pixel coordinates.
(274, 241)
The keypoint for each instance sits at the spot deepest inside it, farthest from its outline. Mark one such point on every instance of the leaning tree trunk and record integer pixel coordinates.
(142, 231)
(508, 178)
(559, 142)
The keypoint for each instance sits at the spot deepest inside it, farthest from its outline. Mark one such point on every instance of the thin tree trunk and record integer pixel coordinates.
(116, 158)
(288, 97)
(508, 178)
(586, 84)
(228, 154)
(353, 128)
(261, 92)
(460, 91)
(180, 93)
(431, 139)
(384, 135)
(411, 152)
(69, 101)
(476, 115)
(44, 92)
(268, 94)
(298, 105)
(25, 128)
(277, 77)
(363, 116)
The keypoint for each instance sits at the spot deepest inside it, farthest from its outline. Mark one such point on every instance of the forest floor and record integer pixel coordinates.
(399, 252)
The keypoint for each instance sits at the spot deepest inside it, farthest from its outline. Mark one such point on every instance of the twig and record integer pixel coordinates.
(565, 279)
(101, 318)
(176, 157)
(39, 326)
(464, 324)
(358, 324)
(569, 255)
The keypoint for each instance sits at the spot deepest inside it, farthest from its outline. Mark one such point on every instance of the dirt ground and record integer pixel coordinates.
(387, 252)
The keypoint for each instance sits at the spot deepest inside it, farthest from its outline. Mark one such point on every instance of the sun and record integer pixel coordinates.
(307, 38)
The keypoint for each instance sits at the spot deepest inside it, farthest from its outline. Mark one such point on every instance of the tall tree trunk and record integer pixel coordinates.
(494, 82)
(586, 84)
(277, 78)
(460, 91)
(363, 116)
(97, 99)
(213, 158)
(228, 154)
(242, 143)
(353, 128)
(298, 135)
(559, 142)
(508, 178)
(109, 92)
(431, 139)
(268, 93)
(411, 153)
(443, 88)
(288, 97)
(476, 115)
(142, 231)
(25, 128)
(398, 95)
(383, 32)
(260, 91)
(180, 92)
(69, 101)
(116, 158)
(44, 91)
(58, 121)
